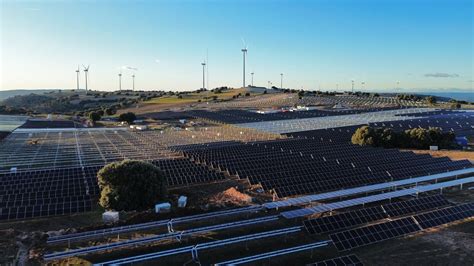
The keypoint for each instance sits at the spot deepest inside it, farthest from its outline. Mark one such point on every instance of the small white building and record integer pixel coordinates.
(163, 207)
(182, 201)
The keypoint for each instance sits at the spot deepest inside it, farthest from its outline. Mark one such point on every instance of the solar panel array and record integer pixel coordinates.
(238, 116)
(366, 215)
(292, 99)
(322, 208)
(32, 123)
(354, 238)
(416, 205)
(462, 123)
(348, 260)
(344, 220)
(46, 192)
(362, 236)
(37, 193)
(302, 166)
(444, 216)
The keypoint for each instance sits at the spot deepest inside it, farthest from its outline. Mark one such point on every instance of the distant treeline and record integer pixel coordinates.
(416, 138)
(74, 103)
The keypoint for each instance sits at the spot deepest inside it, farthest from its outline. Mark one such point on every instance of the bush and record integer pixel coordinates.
(128, 117)
(418, 138)
(94, 116)
(431, 99)
(130, 185)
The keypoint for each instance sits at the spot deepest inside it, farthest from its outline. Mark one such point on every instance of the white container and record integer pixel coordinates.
(163, 207)
(142, 127)
(110, 217)
(433, 148)
(182, 201)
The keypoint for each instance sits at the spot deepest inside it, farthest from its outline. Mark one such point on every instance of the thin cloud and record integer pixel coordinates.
(441, 75)
(130, 68)
(157, 61)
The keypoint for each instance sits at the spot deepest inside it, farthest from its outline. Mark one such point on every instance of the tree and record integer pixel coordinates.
(128, 117)
(455, 105)
(130, 185)
(94, 116)
(364, 135)
(418, 138)
(431, 99)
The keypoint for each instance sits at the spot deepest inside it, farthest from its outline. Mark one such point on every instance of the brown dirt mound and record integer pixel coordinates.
(231, 196)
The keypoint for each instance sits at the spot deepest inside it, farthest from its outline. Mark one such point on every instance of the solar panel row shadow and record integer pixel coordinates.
(348, 260)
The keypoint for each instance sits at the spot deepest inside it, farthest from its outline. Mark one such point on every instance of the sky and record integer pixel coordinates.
(319, 44)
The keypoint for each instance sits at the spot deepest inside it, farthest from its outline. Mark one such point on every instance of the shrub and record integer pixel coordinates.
(128, 117)
(130, 185)
(418, 138)
(94, 116)
(431, 99)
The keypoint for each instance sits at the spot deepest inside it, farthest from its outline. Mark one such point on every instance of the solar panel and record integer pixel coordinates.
(344, 220)
(447, 215)
(358, 237)
(348, 260)
(374, 198)
(415, 205)
(358, 190)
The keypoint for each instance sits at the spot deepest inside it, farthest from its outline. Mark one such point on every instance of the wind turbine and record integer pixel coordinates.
(244, 51)
(133, 82)
(120, 81)
(203, 75)
(352, 86)
(252, 77)
(86, 73)
(281, 80)
(77, 77)
(363, 85)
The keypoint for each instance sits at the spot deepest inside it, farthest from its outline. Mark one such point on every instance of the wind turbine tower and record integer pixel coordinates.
(77, 78)
(133, 82)
(281, 80)
(252, 77)
(244, 51)
(203, 75)
(352, 86)
(120, 81)
(86, 74)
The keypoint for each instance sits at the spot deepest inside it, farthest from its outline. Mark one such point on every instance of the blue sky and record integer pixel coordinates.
(316, 44)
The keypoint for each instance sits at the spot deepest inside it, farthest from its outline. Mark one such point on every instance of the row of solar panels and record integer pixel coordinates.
(358, 237)
(36, 193)
(302, 166)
